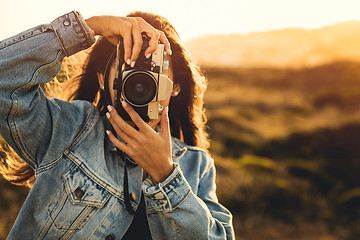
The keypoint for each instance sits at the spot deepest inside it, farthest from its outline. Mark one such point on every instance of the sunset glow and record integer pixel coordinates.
(191, 18)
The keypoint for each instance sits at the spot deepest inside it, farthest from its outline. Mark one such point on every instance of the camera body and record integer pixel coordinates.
(144, 85)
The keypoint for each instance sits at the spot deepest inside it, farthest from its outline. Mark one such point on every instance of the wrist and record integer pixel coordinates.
(92, 23)
(163, 173)
(167, 195)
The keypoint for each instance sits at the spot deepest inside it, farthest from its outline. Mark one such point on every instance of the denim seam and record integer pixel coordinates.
(172, 180)
(84, 130)
(106, 217)
(61, 42)
(57, 210)
(12, 116)
(76, 222)
(82, 28)
(26, 35)
(170, 207)
(91, 175)
(49, 166)
(98, 204)
(182, 145)
(187, 194)
(88, 212)
(45, 228)
(178, 232)
(50, 220)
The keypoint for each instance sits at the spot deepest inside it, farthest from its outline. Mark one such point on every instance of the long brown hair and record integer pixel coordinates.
(186, 112)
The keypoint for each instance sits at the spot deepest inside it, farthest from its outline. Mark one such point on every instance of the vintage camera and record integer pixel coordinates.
(143, 86)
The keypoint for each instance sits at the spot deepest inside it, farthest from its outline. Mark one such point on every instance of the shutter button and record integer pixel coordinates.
(79, 193)
(66, 23)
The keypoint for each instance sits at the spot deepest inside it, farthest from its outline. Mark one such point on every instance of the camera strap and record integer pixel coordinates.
(126, 189)
(127, 163)
(107, 98)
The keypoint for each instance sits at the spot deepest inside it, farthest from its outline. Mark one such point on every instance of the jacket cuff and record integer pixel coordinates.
(73, 33)
(166, 196)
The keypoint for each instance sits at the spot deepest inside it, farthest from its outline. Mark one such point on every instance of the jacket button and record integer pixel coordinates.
(133, 196)
(79, 193)
(110, 237)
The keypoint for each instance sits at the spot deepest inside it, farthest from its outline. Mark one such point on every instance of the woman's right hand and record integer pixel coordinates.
(130, 29)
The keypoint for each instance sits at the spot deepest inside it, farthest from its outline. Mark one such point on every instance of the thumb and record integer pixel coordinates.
(164, 123)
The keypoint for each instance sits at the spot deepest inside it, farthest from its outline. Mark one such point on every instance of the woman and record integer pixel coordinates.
(89, 184)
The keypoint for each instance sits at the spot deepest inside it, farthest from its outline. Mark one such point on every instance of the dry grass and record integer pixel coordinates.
(285, 145)
(277, 135)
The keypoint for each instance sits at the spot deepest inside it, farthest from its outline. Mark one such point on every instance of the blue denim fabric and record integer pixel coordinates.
(79, 191)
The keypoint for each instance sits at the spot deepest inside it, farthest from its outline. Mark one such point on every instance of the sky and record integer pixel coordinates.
(191, 18)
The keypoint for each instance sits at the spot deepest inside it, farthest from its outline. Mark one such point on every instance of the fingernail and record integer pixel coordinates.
(108, 115)
(128, 62)
(132, 64)
(109, 108)
(170, 53)
(149, 55)
(108, 132)
(124, 104)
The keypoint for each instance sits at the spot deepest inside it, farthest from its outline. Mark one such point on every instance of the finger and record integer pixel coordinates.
(163, 39)
(127, 40)
(121, 124)
(117, 143)
(152, 33)
(138, 42)
(164, 123)
(118, 130)
(153, 42)
(143, 127)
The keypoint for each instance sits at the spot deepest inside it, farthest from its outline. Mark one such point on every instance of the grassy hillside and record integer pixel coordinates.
(285, 143)
(286, 148)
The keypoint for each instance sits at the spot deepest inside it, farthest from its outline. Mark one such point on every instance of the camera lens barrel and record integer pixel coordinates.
(139, 88)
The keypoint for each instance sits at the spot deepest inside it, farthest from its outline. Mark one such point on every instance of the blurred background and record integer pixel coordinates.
(282, 107)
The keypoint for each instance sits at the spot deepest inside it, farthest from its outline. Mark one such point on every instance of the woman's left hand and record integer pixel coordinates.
(150, 149)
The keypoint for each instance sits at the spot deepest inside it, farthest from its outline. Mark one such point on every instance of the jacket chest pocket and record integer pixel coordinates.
(76, 201)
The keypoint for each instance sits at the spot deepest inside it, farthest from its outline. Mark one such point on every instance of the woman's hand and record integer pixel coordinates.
(130, 29)
(151, 150)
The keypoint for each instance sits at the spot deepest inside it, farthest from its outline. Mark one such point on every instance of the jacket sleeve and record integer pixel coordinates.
(190, 215)
(38, 128)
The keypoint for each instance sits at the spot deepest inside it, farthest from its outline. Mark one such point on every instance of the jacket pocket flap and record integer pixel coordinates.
(83, 190)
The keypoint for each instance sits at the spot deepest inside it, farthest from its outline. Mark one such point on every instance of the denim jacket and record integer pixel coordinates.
(79, 190)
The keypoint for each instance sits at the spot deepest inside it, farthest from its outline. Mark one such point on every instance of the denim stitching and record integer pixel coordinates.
(49, 166)
(61, 42)
(26, 35)
(14, 109)
(182, 199)
(105, 218)
(93, 176)
(82, 28)
(84, 130)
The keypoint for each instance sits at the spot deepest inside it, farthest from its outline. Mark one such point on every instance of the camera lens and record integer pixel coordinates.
(139, 88)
